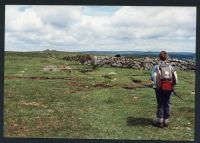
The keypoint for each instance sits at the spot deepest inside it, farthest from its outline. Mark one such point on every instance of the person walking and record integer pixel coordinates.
(164, 78)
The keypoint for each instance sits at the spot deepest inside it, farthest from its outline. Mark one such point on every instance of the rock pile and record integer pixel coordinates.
(129, 62)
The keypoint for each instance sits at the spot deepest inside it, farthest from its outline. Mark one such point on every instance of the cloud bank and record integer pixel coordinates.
(100, 28)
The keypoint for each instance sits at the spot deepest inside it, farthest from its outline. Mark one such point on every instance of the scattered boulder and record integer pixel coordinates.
(86, 69)
(112, 73)
(116, 64)
(65, 68)
(50, 68)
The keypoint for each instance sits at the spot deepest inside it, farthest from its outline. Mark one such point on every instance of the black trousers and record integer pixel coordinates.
(163, 104)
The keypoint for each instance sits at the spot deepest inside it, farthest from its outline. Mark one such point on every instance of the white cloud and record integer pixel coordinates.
(17, 21)
(83, 28)
(58, 16)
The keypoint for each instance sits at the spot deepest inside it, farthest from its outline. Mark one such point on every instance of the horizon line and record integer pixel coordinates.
(99, 51)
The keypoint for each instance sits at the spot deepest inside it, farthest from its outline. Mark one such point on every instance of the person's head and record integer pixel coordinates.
(163, 55)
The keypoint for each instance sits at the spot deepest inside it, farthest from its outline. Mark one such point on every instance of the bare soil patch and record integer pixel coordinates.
(103, 85)
(138, 84)
(40, 78)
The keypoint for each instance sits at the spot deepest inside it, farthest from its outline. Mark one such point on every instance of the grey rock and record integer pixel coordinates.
(129, 62)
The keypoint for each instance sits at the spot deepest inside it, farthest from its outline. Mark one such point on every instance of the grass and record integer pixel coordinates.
(89, 106)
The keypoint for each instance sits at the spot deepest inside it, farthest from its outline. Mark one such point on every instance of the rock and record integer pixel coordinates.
(83, 70)
(130, 62)
(188, 128)
(57, 68)
(147, 66)
(183, 67)
(90, 77)
(126, 66)
(50, 68)
(65, 68)
(117, 64)
(112, 73)
(173, 63)
(114, 79)
(148, 60)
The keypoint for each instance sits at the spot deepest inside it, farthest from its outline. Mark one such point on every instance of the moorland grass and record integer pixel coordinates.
(84, 107)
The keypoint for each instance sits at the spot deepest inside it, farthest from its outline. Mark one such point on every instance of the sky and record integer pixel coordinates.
(100, 28)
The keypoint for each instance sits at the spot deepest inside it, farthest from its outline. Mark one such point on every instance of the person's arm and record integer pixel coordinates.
(174, 75)
(153, 75)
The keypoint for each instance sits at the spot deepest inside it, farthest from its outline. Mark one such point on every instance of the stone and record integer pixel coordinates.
(112, 73)
(50, 68)
(146, 63)
(147, 59)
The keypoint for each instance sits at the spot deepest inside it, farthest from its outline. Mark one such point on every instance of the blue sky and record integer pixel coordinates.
(100, 10)
(100, 28)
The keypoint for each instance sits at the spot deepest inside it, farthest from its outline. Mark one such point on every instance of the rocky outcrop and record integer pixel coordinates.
(129, 62)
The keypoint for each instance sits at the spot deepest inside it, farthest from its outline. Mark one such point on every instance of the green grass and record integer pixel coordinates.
(78, 109)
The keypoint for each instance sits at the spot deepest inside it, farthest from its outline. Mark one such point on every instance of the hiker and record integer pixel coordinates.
(164, 78)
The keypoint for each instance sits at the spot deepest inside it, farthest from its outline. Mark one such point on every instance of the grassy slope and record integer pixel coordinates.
(77, 109)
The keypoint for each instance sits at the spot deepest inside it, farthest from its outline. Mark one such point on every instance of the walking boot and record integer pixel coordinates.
(159, 123)
(166, 122)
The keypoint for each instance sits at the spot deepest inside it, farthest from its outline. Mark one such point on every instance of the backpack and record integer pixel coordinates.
(164, 79)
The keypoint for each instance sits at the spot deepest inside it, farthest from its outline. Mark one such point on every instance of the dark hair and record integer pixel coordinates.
(163, 55)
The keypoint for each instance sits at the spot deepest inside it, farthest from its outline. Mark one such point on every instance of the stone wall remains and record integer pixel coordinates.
(129, 62)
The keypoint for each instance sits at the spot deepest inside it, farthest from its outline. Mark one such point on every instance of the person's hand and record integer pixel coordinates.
(150, 83)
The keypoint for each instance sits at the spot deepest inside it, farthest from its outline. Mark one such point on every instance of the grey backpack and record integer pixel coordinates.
(165, 72)
(164, 77)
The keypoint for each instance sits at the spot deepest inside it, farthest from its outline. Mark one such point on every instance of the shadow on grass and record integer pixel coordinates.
(140, 121)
